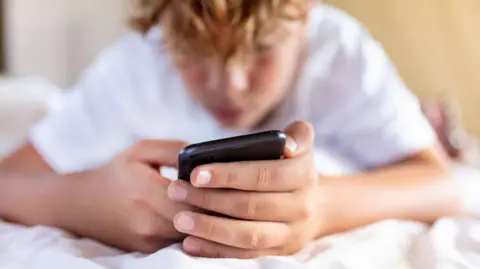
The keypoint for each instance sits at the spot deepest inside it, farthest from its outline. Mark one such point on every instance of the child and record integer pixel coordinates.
(200, 70)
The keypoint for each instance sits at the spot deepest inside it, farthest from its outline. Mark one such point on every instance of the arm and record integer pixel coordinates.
(74, 136)
(126, 197)
(80, 172)
(31, 192)
(385, 134)
(417, 189)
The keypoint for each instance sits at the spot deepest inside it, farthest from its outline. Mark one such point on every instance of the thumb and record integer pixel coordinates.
(300, 136)
(157, 152)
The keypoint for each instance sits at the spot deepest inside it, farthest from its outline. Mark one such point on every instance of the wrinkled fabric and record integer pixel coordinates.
(450, 243)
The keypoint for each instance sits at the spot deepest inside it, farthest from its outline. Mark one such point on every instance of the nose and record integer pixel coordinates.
(237, 79)
(228, 79)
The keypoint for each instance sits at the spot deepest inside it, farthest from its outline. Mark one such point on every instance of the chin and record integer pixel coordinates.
(237, 125)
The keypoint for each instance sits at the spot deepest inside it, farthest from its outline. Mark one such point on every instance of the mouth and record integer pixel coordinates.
(227, 114)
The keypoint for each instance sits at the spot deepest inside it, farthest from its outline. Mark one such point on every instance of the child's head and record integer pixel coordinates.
(236, 57)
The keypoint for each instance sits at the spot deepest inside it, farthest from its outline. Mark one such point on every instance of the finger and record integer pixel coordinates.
(231, 232)
(152, 245)
(264, 176)
(203, 248)
(154, 194)
(280, 207)
(151, 225)
(165, 230)
(155, 152)
(300, 136)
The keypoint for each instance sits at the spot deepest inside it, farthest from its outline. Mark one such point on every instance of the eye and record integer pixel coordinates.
(263, 49)
(264, 55)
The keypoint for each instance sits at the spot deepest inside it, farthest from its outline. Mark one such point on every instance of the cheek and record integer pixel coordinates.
(272, 73)
(263, 73)
(195, 78)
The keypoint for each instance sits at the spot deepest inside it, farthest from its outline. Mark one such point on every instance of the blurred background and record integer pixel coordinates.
(434, 43)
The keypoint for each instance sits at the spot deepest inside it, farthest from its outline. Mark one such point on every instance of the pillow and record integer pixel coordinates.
(22, 103)
(444, 117)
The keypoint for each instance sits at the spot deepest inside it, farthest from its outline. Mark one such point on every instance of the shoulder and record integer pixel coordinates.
(134, 68)
(132, 52)
(328, 24)
(346, 70)
(343, 53)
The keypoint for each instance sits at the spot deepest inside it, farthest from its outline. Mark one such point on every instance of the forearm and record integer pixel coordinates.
(35, 198)
(416, 192)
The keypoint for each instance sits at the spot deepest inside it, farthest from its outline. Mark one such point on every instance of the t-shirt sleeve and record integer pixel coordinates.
(378, 120)
(85, 127)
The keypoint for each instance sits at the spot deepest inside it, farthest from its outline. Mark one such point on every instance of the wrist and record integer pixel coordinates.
(331, 205)
(69, 202)
(36, 199)
(323, 201)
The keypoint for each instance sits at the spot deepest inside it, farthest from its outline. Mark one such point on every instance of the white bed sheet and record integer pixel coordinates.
(449, 243)
(391, 244)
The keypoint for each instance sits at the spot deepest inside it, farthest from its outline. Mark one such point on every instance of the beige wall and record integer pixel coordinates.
(58, 38)
(435, 44)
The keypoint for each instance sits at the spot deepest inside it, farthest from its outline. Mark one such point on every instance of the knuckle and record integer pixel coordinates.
(304, 211)
(130, 152)
(263, 178)
(252, 209)
(148, 247)
(217, 253)
(140, 192)
(128, 156)
(183, 144)
(144, 143)
(248, 209)
(306, 208)
(211, 229)
(230, 179)
(295, 167)
(291, 245)
(143, 227)
(145, 230)
(137, 198)
(135, 149)
(311, 177)
(253, 239)
(152, 175)
(203, 199)
(291, 250)
(244, 255)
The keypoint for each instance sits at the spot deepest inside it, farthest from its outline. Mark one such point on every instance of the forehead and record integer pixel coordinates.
(228, 30)
(229, 44)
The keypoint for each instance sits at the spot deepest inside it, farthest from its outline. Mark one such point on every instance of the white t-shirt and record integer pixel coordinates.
(363, 114)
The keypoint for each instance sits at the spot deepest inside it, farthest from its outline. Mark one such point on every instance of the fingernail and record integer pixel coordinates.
(176, 192)
(184, 223)
(203, 177)
(291, 145)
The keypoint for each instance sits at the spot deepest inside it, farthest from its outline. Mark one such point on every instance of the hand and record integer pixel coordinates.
(270, 206)
(125, 203)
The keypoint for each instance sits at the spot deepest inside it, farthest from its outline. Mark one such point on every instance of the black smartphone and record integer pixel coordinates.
(253, 147)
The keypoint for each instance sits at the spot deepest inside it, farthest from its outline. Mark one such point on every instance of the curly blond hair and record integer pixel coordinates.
(199, 25)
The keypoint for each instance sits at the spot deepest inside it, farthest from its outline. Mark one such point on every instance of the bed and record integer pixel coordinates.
(449, 243)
